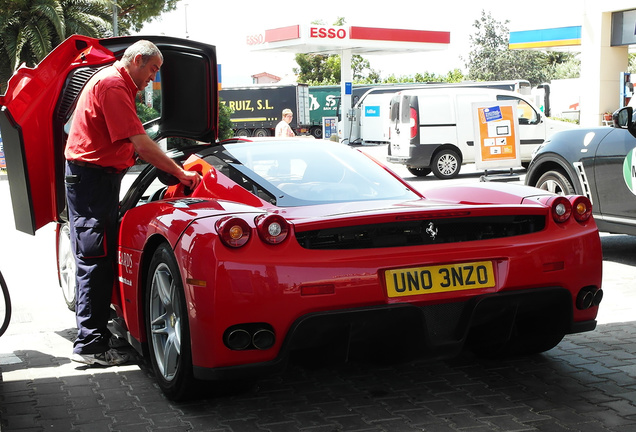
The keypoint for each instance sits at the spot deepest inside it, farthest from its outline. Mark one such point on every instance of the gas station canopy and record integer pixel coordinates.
(317, 39)
(546, 38)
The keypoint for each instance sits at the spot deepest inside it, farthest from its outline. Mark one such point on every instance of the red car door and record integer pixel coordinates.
(39, 102)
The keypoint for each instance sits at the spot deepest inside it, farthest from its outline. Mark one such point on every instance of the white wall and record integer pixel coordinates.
(601, 64)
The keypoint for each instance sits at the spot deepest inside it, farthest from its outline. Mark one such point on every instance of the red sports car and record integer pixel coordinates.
(299, 244)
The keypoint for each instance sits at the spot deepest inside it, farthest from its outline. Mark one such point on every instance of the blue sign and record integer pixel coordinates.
(348, 88)
(492, 113)
(372, 111)
(3, 163)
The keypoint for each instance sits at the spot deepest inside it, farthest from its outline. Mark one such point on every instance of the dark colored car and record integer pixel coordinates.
(599, 163)
(294, 245)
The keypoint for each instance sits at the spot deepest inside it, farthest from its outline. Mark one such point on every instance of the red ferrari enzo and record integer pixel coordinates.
(296, 244)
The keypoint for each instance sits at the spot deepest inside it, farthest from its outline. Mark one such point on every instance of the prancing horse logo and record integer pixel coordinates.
(431, 230)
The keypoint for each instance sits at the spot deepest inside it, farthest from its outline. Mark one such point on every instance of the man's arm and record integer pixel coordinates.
(149, 151)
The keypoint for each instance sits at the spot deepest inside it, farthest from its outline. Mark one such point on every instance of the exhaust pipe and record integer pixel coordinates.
(249, 336)
(598, 297)
(263, 339)
(238, 339)
(588, 297)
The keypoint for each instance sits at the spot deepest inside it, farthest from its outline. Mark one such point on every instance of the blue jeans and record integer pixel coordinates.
(93, 203)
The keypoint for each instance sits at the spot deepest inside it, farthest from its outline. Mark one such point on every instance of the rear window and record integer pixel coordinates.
(395, 107)
(308, 172)
(436, 109)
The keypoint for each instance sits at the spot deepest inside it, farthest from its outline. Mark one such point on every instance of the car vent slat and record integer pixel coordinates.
(72, 89)
(420, 232)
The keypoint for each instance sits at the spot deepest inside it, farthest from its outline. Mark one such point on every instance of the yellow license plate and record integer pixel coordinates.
(439, 279)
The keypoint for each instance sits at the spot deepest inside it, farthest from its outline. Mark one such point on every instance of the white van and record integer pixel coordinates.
(432, 129)
(370, 119)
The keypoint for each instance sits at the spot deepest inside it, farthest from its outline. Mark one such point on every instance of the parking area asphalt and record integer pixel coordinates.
(587, 383)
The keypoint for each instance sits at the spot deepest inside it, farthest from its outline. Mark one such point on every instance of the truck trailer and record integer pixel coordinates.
(324, 101)
(256, 110)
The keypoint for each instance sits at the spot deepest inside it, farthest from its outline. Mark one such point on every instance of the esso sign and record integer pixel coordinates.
(256, 39)
(327, 33)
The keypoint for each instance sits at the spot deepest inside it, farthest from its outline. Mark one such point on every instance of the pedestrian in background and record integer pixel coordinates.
(105, 135)
(282, 128)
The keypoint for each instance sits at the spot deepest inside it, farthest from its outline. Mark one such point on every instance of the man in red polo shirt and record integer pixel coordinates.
(105, 135)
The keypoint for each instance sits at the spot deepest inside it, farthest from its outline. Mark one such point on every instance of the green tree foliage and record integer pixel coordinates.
(30, 29)
(563, 65)
(453, 76)
(323, 69)
(490, 58)
(87, 17)
(225, 124)
(132, 14)
(146, 113)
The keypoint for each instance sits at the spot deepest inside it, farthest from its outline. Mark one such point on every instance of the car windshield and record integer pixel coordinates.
(303, 172)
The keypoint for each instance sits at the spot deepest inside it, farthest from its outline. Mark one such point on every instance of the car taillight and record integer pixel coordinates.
(581, 208)
(414, 123)
(233, 231)
(272, 229)
(561, 208)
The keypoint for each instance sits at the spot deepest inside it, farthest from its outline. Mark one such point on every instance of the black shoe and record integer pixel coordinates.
(109, 358)
(117, 342)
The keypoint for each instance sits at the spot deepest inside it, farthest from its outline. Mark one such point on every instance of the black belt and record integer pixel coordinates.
(107, 170)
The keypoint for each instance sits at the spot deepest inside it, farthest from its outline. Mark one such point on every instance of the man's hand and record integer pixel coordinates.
(190, 179)
(149, 151)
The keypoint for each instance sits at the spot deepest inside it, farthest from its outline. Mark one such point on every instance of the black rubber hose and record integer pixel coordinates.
(7, 305)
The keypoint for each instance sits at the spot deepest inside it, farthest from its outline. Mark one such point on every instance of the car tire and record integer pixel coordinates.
(555, 182)
(419, 172)
(167, 325)
(66, 266)
(446, 164)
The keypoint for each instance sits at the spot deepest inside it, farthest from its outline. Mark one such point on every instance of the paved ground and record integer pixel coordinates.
(587, 383)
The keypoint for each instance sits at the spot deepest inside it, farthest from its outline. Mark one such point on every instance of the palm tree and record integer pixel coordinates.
(87, 17)
(27, 33)
(30, 29)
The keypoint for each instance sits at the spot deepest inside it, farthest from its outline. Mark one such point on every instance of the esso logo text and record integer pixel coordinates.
(328, 32)
(256, 39)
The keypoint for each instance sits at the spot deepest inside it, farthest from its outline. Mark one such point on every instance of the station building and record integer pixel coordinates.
(604, 39)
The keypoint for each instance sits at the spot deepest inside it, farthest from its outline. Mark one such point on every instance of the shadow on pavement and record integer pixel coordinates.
(585, 383)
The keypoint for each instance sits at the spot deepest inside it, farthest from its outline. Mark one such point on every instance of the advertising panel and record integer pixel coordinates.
(329, 127)
(496, 130)
(3, 163)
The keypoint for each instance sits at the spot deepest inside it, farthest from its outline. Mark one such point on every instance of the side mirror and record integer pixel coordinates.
(623, 119)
